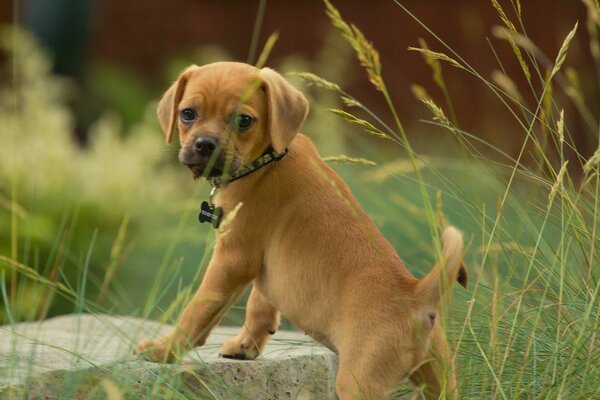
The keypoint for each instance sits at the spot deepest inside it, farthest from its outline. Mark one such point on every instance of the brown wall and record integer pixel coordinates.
(142, 34)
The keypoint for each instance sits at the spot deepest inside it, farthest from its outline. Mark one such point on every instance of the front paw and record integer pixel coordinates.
(240, 349)
(156, 350)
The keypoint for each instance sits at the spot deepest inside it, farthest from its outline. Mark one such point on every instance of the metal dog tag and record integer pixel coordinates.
(210, 213)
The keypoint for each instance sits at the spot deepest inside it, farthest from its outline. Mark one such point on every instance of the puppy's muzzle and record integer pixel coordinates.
(204, 153)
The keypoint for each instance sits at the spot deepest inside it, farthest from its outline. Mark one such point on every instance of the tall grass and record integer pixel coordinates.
(528, 326)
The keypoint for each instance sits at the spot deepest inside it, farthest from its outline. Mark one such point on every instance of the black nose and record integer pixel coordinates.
(205, 145)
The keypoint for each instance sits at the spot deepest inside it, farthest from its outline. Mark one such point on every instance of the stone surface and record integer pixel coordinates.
(89, 356)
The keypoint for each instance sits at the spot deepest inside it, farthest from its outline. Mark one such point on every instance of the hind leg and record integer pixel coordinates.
(355, 381)
(437, 376)
(372, 368)
(262, 320)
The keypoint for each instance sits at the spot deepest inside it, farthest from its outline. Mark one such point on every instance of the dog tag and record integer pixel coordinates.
(210, 213)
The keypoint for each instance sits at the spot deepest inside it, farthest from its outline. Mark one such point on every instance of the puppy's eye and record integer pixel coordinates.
(187, 115)
(243, 122)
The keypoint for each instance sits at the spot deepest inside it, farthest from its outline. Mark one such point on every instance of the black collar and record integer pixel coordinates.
(268, 156)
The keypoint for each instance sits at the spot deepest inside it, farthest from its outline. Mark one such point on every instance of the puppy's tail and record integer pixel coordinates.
(433, 286)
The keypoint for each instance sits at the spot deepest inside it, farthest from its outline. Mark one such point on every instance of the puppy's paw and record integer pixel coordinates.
(240, 349)
(156, 350)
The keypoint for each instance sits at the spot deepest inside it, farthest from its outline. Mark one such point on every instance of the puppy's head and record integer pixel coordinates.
(227, 114)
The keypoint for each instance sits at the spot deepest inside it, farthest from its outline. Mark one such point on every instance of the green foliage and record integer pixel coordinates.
(55, 195)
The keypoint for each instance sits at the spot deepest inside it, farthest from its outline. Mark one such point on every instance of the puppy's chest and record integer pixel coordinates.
(244, 231)
(245, 214)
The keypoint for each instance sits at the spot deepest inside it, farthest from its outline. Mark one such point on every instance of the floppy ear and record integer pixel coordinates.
(167, 107)
(287, 108)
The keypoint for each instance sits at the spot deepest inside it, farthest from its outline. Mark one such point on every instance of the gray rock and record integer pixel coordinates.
(89, 356)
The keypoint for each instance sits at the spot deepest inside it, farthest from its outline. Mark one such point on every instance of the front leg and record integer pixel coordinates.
(262, 320)
(227, 275)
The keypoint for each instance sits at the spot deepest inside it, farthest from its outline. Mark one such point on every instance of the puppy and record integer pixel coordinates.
(301, 239)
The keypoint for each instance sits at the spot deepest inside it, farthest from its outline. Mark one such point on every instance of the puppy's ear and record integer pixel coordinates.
(167, 107)
(287, 108)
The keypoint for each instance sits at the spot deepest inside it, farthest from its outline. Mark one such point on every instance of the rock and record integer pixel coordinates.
(89, 356)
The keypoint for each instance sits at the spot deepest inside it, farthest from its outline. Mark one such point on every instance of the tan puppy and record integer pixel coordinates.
(302, 240)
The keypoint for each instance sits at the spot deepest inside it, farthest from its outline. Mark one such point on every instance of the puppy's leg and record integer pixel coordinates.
(358, 380)
(262, 320)
(369, 369)
(437, 376)
(226, 277)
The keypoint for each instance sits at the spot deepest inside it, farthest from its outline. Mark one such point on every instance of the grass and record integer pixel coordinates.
(537, 266)
(525, 329)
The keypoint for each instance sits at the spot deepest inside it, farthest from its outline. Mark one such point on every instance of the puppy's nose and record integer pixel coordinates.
(205, 145)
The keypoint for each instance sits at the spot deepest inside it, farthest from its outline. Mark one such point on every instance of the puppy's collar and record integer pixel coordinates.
(268, 156)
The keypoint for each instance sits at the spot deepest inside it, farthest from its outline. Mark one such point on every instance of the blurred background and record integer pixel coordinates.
(122, 54)
(92, 198)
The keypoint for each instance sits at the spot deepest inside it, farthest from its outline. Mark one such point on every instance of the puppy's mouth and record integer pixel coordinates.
(198, 171)
(206, 166)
